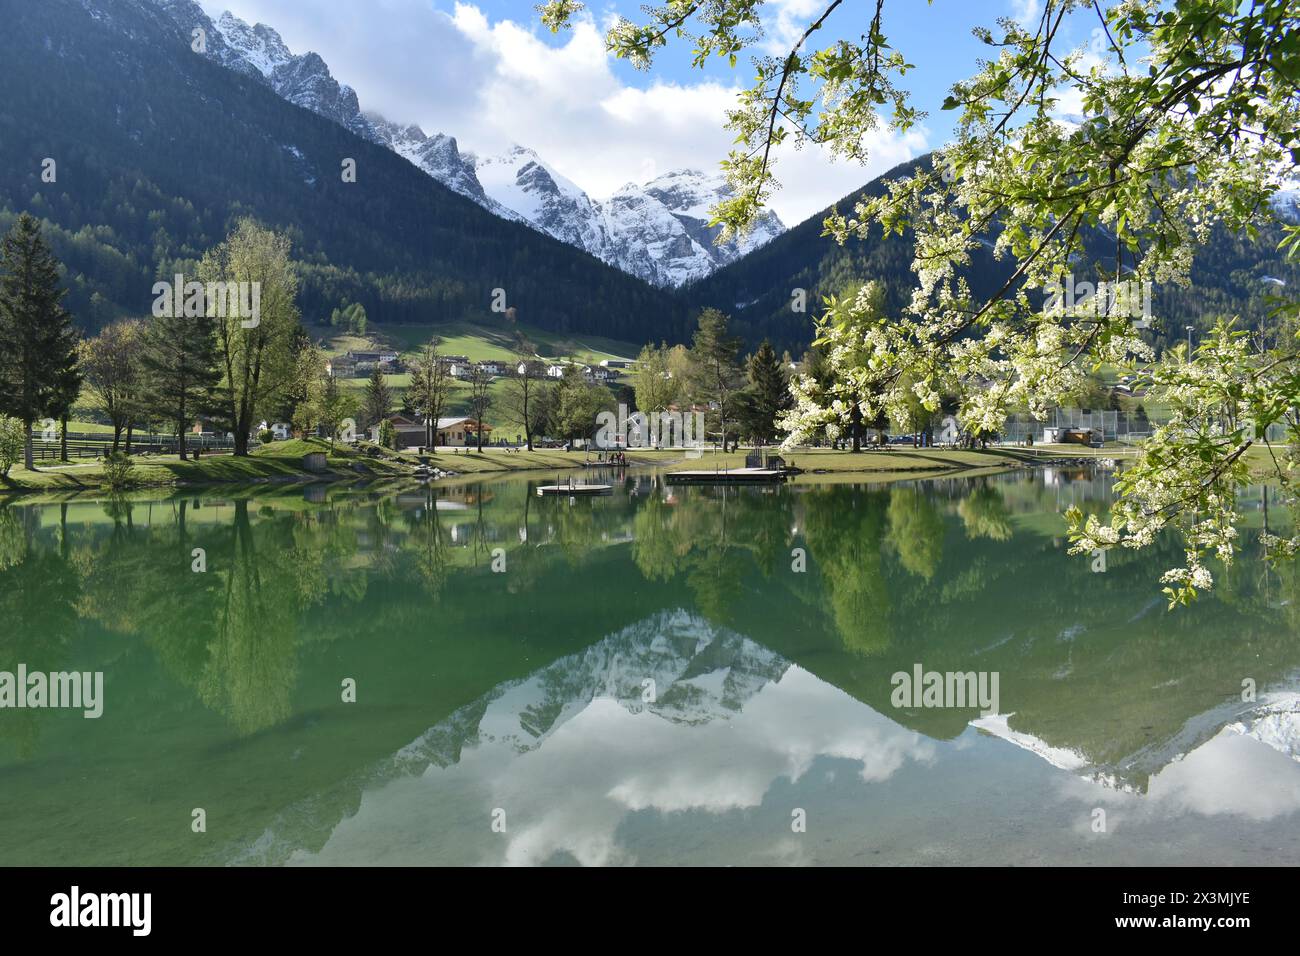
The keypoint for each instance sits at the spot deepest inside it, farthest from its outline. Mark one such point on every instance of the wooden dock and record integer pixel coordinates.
(734, 476)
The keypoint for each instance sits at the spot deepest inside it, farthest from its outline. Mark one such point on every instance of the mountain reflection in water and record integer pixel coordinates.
(649, 680)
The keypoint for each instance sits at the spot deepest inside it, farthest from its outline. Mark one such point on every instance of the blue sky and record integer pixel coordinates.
(486, 72)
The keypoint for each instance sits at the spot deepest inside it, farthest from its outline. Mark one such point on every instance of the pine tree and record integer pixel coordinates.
(713, 355)
(379, 398)
(178, 363)
(767, 394)
(67, 389)
(38, 343)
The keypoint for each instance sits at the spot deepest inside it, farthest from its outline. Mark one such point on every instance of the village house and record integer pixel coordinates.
(451, 431)
(353, 364)
(460, 431)
(340, 366)
(367, 361)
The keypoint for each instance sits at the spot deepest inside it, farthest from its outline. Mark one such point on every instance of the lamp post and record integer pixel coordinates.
(1189, 342)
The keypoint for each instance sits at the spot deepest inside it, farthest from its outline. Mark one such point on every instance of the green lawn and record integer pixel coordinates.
(89, 428)
(279, 461)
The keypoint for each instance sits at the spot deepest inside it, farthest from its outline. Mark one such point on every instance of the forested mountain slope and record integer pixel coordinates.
(157, 151)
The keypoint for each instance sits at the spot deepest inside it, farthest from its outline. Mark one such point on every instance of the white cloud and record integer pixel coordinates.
(492, 83)
(1026, 12)
(792, 18)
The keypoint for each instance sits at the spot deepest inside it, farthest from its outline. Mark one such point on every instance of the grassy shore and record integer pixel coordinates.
(277, 462)
(281, 462)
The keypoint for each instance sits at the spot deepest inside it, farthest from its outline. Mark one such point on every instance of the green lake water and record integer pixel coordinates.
(660, 676)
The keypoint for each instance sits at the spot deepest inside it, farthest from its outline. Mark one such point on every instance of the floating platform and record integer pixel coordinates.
(572, 489)
(735, 476)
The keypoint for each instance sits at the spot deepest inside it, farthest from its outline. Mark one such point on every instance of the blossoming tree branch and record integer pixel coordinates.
(1191, 116)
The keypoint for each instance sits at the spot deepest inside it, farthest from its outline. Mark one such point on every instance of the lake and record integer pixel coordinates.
(470, 674)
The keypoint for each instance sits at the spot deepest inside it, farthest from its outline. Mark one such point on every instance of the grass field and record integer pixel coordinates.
(492, 339)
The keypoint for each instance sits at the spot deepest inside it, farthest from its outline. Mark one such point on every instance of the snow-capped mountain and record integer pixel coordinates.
(258, 51)
(690, 194)
(1286, 202)
(519, 180)
(438, 155)
(660, 231)
(657, 231)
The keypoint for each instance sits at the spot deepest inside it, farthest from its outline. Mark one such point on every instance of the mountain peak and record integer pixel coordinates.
(260, 45)
(657, 231)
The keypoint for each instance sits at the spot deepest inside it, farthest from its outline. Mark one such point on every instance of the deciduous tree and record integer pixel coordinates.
(256, 353)
(1190, 112)
(111, 364)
